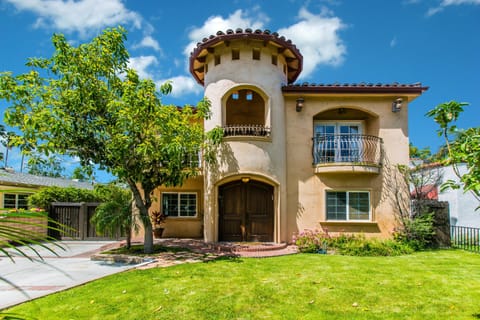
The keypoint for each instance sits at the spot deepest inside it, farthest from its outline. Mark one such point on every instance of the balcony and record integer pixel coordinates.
(337, 153)
(246, 130)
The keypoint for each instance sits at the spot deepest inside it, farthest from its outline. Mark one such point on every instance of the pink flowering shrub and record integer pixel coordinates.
(311, 241)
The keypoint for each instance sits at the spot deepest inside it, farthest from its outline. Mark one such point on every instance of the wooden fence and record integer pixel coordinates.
(74, 219)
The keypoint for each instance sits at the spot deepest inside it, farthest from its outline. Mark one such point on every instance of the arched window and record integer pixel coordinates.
(245, 114)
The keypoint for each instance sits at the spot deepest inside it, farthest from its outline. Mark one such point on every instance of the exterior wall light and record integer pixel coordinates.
(299, 105)
(245, 179)
(397, 105)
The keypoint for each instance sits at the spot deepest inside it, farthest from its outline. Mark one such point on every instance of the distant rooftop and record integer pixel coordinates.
(11, 178)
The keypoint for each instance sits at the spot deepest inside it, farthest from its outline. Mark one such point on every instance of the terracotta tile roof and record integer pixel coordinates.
(363, 87)
(284, 46)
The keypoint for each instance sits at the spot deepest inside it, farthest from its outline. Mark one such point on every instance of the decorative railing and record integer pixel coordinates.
(352, 148)
(254, 130)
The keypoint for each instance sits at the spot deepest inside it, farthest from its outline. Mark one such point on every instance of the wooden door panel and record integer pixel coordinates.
(259, 212)
(246, 212)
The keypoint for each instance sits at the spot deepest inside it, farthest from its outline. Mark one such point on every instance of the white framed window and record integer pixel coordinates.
(15, 201)
(179, 204)
(337, 142)
(348, 205)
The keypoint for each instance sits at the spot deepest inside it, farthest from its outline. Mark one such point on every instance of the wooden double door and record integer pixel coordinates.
(246, 211)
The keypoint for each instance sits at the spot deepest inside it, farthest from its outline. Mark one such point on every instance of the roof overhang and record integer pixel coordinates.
(285, 47)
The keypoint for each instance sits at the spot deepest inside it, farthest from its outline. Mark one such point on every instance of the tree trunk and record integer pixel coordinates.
(143, 204)
(129, 236)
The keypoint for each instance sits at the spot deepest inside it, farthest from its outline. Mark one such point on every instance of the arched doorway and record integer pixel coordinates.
(246, 211)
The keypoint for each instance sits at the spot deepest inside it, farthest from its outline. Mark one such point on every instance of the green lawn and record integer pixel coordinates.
(428, 285)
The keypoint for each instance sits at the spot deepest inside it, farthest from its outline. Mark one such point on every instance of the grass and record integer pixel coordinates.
(441, 284)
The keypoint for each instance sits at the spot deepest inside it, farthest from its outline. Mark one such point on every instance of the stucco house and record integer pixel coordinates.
(294, 156)
(15, 187)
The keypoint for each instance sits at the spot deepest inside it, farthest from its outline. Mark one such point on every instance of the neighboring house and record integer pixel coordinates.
(462, 204)
(15, 187)
(294, 156)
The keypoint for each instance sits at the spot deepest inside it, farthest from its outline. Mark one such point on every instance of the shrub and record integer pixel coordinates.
(348, 244)
(46, 196)
(310, 241)
(417, 232)
(360, 246)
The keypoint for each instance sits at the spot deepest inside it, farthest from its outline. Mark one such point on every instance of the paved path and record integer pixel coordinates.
(41, 277)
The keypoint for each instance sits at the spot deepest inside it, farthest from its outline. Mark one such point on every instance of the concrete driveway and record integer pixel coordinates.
(41, 277)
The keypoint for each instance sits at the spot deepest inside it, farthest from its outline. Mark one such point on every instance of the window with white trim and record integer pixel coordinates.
(337, 142)
(15, 201)
(348, 205)
(179, 204)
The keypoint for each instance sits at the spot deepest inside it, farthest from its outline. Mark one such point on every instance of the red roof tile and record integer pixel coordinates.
(285, 46)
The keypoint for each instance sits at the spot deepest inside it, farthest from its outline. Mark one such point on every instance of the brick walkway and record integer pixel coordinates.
(199, 251)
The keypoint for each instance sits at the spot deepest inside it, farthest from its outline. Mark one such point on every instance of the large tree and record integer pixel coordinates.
(465, 148)
(84, 101)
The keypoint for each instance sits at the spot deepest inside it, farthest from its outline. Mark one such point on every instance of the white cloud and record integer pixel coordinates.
(148, 42)
(83, 16)
(316, 36)
(182, 85)
(447, 3)
(239, 19)
(141, 64)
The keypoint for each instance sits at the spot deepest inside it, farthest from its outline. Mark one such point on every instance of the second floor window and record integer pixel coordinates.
(337, 142)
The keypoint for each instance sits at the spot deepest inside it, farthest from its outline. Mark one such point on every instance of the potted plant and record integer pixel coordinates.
(158, 219)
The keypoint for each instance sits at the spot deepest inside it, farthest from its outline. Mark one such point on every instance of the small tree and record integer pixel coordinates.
(114, 214)
(464, 149)
(85, 102)
(415, 228)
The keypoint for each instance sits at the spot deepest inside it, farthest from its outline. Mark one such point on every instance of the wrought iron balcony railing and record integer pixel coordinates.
(351, 148)
(255, 130)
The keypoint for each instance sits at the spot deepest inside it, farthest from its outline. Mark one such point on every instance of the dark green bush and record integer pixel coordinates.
(417, 232)
(46, 196)
(360, 246)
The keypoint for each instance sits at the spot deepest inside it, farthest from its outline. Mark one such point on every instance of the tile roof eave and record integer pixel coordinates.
(262, 35)
(416, 89)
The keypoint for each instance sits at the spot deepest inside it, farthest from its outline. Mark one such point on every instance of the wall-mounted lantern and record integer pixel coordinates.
(397, 105)
(299, 105)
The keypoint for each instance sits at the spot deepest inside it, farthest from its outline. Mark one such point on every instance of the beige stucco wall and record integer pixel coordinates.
(306, 189)
(262, 158)
(178, 227)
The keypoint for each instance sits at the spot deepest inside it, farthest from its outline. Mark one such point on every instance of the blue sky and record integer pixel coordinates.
(434, 42)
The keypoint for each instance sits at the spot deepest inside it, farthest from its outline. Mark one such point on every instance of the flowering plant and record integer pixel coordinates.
(311, 241)
(13, 211)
